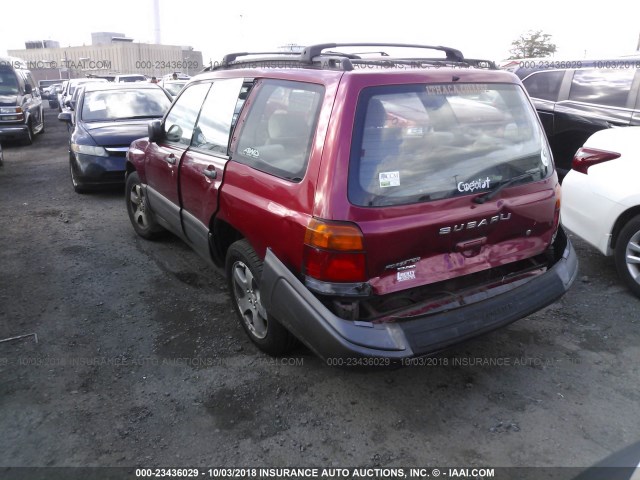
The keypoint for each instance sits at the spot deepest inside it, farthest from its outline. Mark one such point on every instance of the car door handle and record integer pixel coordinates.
(210, 172)
(170, 159)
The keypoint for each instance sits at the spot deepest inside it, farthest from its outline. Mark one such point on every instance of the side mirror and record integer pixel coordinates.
(28, 89)
(156, 133)
(65, 117)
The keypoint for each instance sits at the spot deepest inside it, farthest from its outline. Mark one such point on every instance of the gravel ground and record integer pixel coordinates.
(140, 361)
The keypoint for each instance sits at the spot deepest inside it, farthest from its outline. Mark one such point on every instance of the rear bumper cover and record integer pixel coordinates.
(289, 301)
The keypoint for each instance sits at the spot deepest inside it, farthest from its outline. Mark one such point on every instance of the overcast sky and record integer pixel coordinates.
(480, 29)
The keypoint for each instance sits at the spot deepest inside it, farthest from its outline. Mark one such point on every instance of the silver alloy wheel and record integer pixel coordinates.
(247, 295)
(140, 214)
(632, 256)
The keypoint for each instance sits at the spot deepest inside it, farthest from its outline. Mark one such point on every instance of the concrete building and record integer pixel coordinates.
(109, 53)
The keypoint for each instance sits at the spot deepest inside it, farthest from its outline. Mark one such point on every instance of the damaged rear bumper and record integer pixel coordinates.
(330, 336)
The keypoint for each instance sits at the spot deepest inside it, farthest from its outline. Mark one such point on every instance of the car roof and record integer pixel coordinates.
(382, 75)
(121, 86)
(75, 81)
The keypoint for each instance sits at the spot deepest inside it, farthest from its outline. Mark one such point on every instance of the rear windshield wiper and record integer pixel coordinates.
(492, 193)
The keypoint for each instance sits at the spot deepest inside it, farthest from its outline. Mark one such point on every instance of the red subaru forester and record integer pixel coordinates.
(371, 205)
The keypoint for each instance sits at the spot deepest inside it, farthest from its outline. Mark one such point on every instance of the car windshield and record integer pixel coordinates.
(8, 83)
(416, 143)
(108, 105)
(133, 78)
(174, 88)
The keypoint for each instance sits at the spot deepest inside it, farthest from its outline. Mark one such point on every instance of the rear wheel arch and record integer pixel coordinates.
(621, 221)
(222, 236)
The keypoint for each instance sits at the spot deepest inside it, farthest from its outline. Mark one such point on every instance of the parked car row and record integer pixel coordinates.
(21, 109)
(420, 208)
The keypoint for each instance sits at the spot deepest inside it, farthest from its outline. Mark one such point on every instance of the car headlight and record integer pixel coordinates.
(89, 150)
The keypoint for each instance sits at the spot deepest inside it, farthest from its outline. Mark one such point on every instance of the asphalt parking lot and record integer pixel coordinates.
(140, 361)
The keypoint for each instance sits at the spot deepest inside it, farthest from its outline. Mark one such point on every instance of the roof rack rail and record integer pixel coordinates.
(231, 57)
(322, 56)
(312, 51)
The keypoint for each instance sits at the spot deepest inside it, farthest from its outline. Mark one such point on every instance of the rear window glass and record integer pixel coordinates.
(277, 135)
(602, 86)
(416, 143)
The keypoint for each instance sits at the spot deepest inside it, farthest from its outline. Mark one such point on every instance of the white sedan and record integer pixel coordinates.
(601, 198)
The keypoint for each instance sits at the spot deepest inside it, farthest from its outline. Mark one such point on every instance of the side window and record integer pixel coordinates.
(276, 137)
(178, 126)
(214, 124)
(544, 85)
(602, 86)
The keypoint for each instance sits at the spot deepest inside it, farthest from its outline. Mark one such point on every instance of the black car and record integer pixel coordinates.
(576, 98)
(21, 109)
(54, 90)
(107, 118)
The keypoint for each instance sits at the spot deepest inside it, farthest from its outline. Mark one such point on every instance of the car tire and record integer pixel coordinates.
(138, 209)
(78, 186)
(244, 272)
(627, 254)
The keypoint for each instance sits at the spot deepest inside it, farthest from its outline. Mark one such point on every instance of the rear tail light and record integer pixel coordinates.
(587, 157)
(334, 252)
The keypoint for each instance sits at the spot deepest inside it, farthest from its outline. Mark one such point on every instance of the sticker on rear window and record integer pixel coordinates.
(389, 179)
(453, 89)
(474, 185)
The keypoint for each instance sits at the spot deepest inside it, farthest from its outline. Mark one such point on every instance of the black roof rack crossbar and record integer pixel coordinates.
(313, 51)
(230, 57)
(323, 56)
